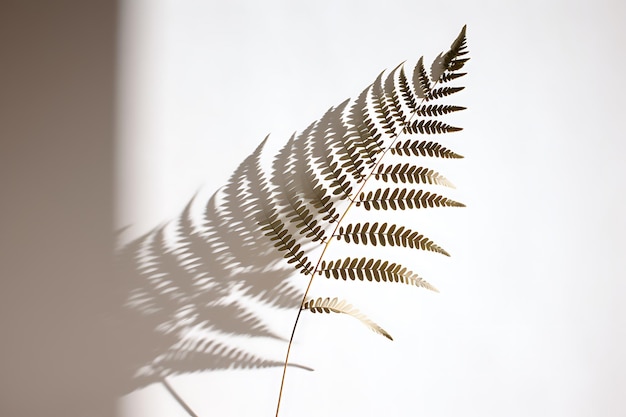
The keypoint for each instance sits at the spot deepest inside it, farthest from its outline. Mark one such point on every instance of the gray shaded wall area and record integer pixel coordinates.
(57, 71)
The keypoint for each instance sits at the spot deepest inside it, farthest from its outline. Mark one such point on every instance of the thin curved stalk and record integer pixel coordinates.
(326, 245)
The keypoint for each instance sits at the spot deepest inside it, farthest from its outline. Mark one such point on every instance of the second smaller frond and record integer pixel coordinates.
(327, 305)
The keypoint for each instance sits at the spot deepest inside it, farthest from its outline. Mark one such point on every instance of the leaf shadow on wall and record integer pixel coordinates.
(190, 289)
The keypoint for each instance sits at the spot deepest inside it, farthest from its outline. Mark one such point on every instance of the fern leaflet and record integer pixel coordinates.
(402, 198)
(326, 305)
(375, 234)
(411, 174)
(423, 148)
(372, 270)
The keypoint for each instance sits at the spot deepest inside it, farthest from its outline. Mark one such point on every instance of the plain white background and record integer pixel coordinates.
(531, 318)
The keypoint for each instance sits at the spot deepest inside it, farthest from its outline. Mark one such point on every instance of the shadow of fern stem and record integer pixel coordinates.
(442, 70)
(178, 398)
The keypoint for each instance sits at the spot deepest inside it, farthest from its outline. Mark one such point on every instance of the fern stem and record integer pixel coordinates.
(351, 201)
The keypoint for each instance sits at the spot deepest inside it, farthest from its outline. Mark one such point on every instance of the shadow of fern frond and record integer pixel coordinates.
(199, 279)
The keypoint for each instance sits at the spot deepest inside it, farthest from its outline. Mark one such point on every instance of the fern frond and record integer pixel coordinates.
(366, 135)
(449, 76)
(394, 99)
(276, 230)
(326, 305)
(410, 99)
(336, 137)
(444, 91)
(423, 148)
(320, 199)
(381, 108)
(411, 174)
(298, 196)
(450, 62)
(372, 270)
(316, 194)
(324, 156)
(430, 127)
(393, 236)
(305, 222)
(402, 198)
(338, 180)
(421, 82)
(436, 109)
(192, 285)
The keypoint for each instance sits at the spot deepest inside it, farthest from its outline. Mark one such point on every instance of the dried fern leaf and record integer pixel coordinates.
(336, 138)
(289, 199)
(436, 109)
(276, 230)
(444, 92)
(376, 234)
(449, 76)
(187, 281)
(423, 148)
(412, 174)
(430, 127)
(363, 130)
(324, 155)
(327, 305)
(317, 195)
(410, 99)
(339, 181)
(296, 197)
(381, 108)
(391, 92)
(421, 82)
(305, 222)
(402, 198)
(372, 270)
(450, 61)
(294, 171)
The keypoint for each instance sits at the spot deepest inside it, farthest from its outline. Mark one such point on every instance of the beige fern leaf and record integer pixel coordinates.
(327, 305)
(381, 234)
(431, 127)
(421, 81)
(409, 98)
(450, 62)
(381, 108)
(372, 270)
(423, 148)
(436, 109)
(403, 198)
(411, 173)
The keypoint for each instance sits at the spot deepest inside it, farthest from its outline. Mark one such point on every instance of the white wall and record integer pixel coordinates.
(531, 317)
